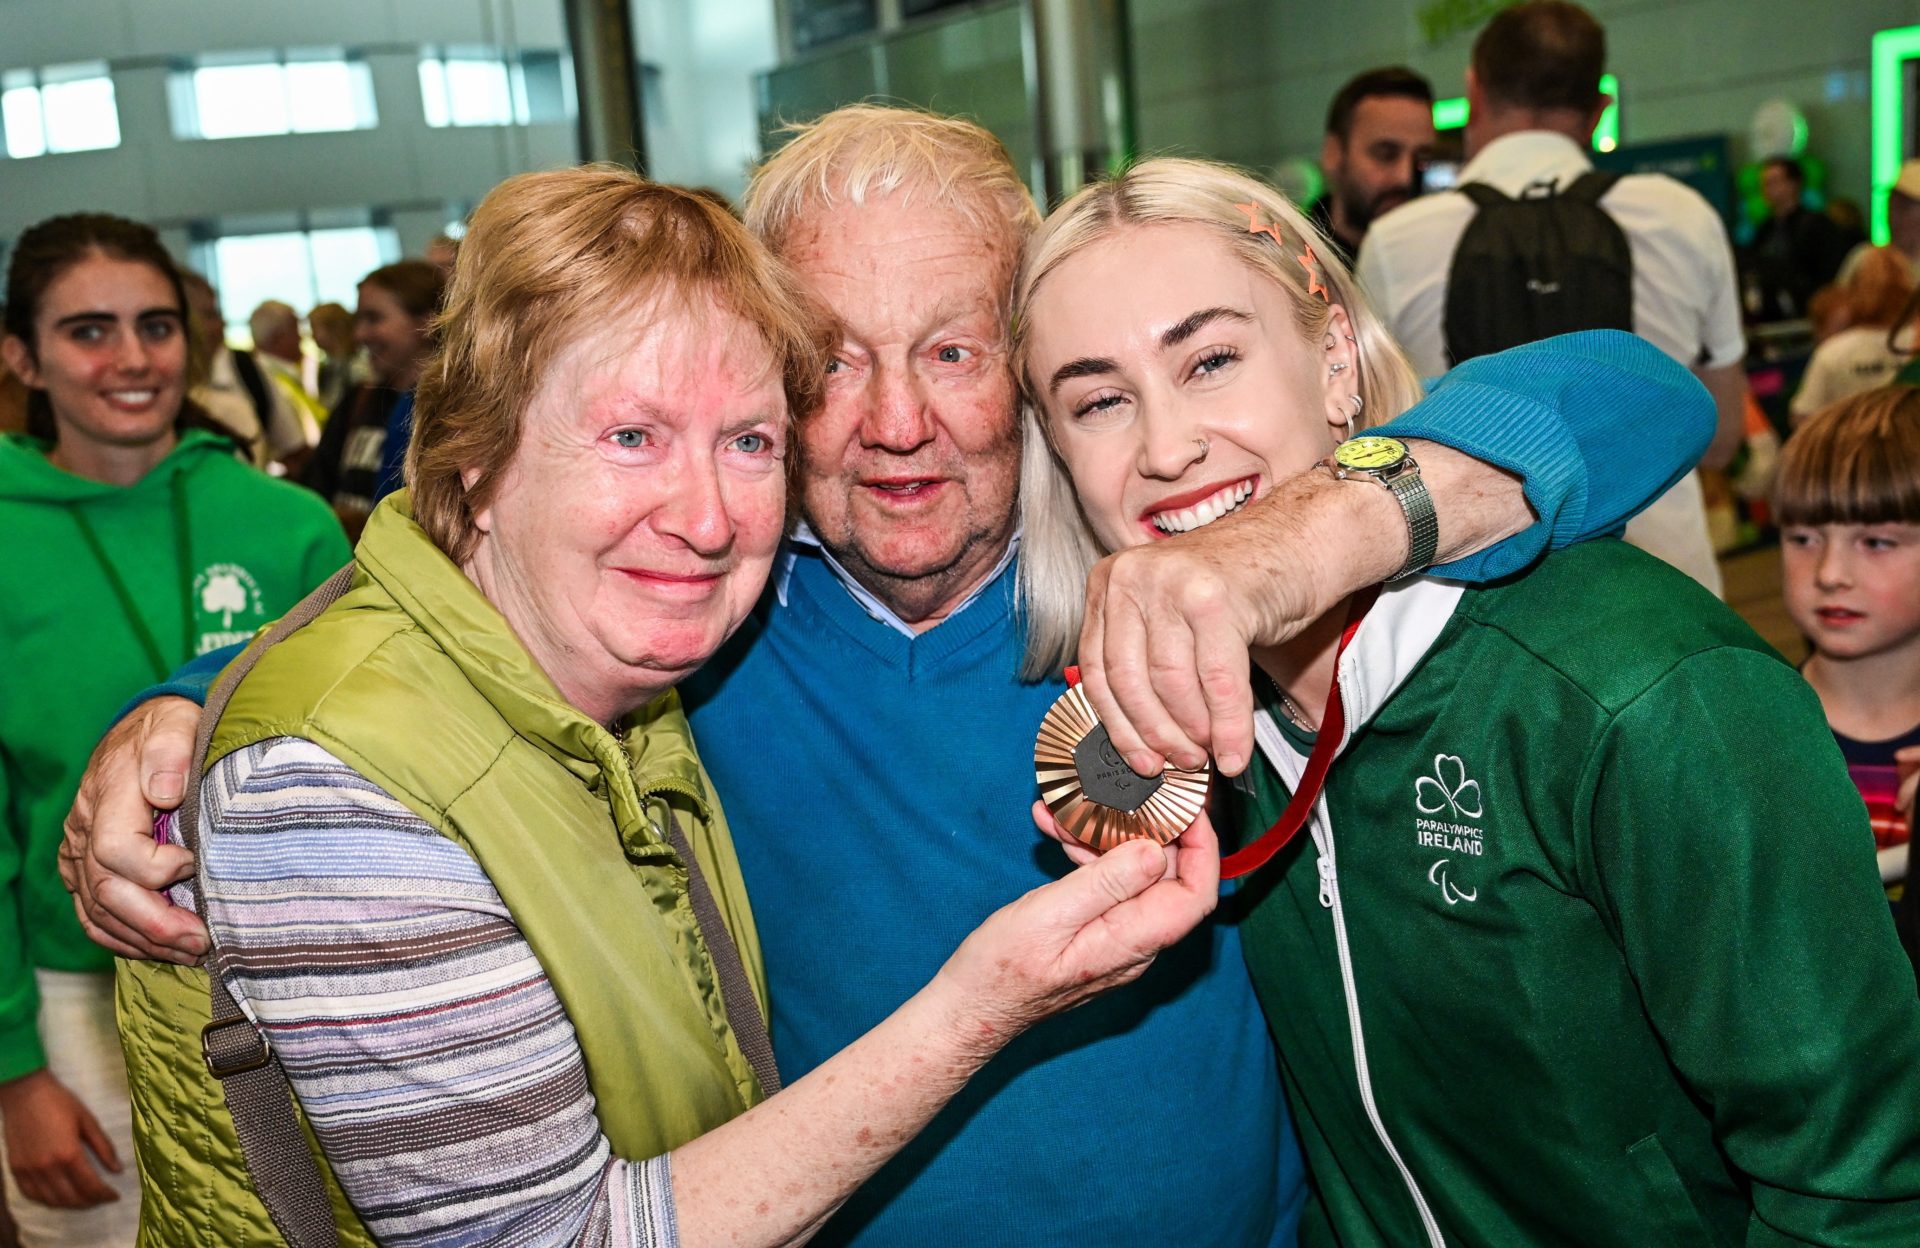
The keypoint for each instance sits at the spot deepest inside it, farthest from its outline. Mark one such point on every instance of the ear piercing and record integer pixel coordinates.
(1336, 369)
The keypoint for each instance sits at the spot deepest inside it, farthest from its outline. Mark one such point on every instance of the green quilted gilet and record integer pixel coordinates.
(415, 680)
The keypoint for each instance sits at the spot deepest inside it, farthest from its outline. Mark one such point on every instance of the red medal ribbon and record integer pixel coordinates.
(1333, 726)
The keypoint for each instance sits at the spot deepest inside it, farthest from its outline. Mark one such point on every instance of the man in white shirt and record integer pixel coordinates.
(1534, 100)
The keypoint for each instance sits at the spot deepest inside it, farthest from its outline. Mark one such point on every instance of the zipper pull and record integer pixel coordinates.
(1326, 882)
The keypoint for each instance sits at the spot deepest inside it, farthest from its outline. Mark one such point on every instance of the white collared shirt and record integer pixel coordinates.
(1685, 299)
(868, 600)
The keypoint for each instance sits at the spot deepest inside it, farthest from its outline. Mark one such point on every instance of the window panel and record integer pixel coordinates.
(477, 87)
(433, 92)
(253, 268)
(477, 93)
(26, 130)
(301, 267)
(299, 93)
(58, 108)
(341, 258)
(80, 115)
(320, 96)
(237, 101)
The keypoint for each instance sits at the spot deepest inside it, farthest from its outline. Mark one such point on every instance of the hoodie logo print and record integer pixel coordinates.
(1437, 874)
(1448, 788)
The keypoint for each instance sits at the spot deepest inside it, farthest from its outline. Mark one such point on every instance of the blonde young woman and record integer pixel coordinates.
(1579, 948)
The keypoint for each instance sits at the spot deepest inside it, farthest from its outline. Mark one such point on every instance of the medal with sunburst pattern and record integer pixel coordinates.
(1096, 798)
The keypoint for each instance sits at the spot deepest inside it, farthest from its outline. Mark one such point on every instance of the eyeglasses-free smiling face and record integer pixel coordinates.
(634, 527)
(110, 350)
(1176, 383)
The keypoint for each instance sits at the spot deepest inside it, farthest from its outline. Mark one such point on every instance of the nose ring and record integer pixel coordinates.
(1204, 446)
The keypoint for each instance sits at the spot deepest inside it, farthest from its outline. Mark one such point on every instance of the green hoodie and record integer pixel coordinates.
(74, 653)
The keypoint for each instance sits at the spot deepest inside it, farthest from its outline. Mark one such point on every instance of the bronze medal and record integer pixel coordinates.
(1098, 799)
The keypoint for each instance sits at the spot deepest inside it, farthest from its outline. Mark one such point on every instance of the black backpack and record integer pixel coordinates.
(1549, 262)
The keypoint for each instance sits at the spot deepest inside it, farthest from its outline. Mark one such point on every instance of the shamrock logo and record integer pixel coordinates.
(1447, 786)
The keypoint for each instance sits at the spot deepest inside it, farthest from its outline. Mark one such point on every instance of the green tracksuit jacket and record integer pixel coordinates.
(74, 650)
(1587, 945)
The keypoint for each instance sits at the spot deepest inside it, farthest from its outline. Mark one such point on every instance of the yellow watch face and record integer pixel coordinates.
(1370, 452)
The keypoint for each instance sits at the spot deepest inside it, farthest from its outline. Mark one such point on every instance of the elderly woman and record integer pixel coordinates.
(454, 831)
(1583, 945)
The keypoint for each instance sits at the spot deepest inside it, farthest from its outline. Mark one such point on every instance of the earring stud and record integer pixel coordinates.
(1336, 369)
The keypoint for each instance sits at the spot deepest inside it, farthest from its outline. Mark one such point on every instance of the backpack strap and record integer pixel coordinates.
(254, 382)
(1482, 195)
(1591, 186)
(736, 991)
(258, 1097)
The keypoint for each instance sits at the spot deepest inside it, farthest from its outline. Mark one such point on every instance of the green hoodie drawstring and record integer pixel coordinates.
(183, 554)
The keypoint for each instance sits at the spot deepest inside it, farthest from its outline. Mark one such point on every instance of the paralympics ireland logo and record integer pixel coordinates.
(1443, 800)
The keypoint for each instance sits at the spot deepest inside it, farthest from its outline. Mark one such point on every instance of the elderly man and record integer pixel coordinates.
(872, 740)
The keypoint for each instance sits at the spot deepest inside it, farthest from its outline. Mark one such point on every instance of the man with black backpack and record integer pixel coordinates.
(1535, 242)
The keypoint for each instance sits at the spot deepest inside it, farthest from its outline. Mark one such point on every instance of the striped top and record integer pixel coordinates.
(427, 1047)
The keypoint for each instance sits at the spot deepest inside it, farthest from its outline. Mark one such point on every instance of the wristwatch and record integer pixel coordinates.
(1388, 461)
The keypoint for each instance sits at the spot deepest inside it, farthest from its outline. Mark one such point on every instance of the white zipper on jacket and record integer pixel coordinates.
(1290, 765)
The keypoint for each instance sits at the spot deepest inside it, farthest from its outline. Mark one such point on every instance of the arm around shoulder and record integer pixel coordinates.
(1597, 425)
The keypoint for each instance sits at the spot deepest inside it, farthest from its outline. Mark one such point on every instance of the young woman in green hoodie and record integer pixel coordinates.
(134, 540)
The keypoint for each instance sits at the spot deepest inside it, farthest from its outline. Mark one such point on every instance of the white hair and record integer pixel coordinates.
(874, 150)
(272, 317)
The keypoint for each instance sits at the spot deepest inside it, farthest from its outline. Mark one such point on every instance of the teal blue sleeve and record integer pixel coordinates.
(1597, 424)
(20, 1051)
(192, 680)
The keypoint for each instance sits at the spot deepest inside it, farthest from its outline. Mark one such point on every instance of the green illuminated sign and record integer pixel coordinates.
(1892, 49)
(1452, 114)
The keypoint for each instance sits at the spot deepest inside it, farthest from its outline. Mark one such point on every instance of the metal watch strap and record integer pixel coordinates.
(1423, 526)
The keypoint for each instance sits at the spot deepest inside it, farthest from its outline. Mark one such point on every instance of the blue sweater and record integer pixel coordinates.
(878, 789)
(895, 820)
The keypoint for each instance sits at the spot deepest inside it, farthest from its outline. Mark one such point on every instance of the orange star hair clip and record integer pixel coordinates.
(1307, 259)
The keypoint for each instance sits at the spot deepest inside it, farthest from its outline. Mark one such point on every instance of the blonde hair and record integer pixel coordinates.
(1856, 462)
(1058, 548)
(548, 257)
(874, 150)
